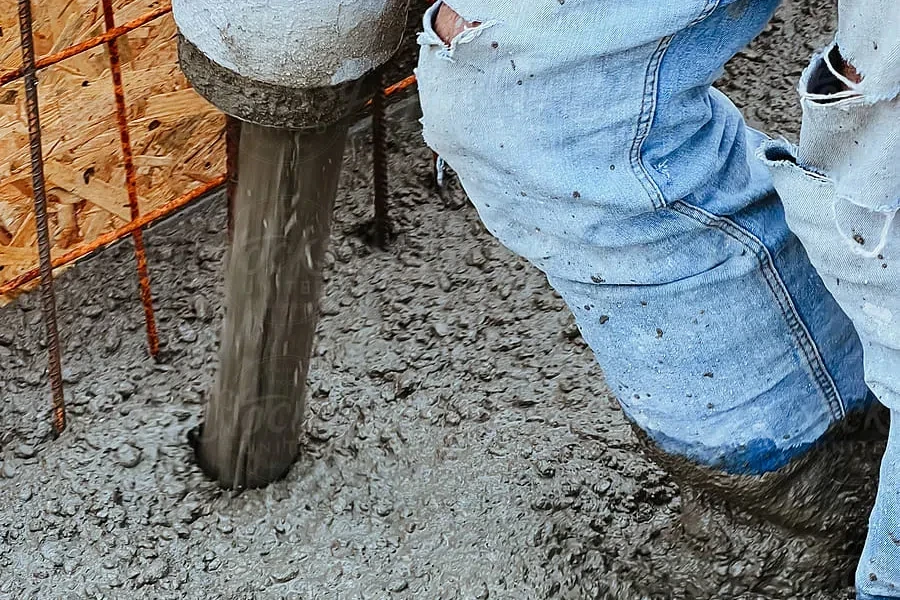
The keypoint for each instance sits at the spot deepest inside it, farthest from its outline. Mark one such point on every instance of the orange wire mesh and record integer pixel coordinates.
(117, 234)
(166, 209)
(56, 57)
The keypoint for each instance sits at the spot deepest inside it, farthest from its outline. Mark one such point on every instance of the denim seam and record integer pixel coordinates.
(711, 5)
(798, 328)
(648, 111)
(645, 120)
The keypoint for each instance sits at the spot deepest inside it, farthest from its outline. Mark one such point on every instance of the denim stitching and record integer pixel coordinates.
(648, 111)
(711, 5)
(773, 280)
(645, 119)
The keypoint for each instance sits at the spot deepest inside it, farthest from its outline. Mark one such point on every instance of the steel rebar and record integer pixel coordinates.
(140, 253)
(48, 298)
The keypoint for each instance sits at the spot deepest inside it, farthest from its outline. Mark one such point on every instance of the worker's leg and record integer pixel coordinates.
(841, 189)
(590, 141)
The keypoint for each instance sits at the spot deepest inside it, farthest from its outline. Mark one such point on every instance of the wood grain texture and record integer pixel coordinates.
(177, 137)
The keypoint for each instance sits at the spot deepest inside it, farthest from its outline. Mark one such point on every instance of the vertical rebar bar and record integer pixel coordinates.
(48, 299)
(379, 165)
(130, 180)
(232, 148)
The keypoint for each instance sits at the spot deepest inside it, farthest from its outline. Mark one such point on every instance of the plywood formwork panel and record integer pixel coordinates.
(177, 137)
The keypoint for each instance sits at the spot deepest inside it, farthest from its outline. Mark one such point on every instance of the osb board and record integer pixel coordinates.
(177, 138)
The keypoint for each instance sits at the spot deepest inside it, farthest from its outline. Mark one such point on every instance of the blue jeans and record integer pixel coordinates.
(590, 140)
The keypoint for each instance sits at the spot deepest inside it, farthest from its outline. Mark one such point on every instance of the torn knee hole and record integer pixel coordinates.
(833, 76)
(448, 24)
(844, 67)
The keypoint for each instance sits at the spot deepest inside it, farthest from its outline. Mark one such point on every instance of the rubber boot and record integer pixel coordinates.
(792, 533)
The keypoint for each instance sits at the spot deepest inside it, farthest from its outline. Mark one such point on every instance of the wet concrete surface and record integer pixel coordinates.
(461, 442)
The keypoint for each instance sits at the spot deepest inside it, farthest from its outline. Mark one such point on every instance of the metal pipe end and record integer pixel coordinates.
(272, 105)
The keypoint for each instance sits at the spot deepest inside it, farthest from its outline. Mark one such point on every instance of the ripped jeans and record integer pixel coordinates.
(741, 294)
